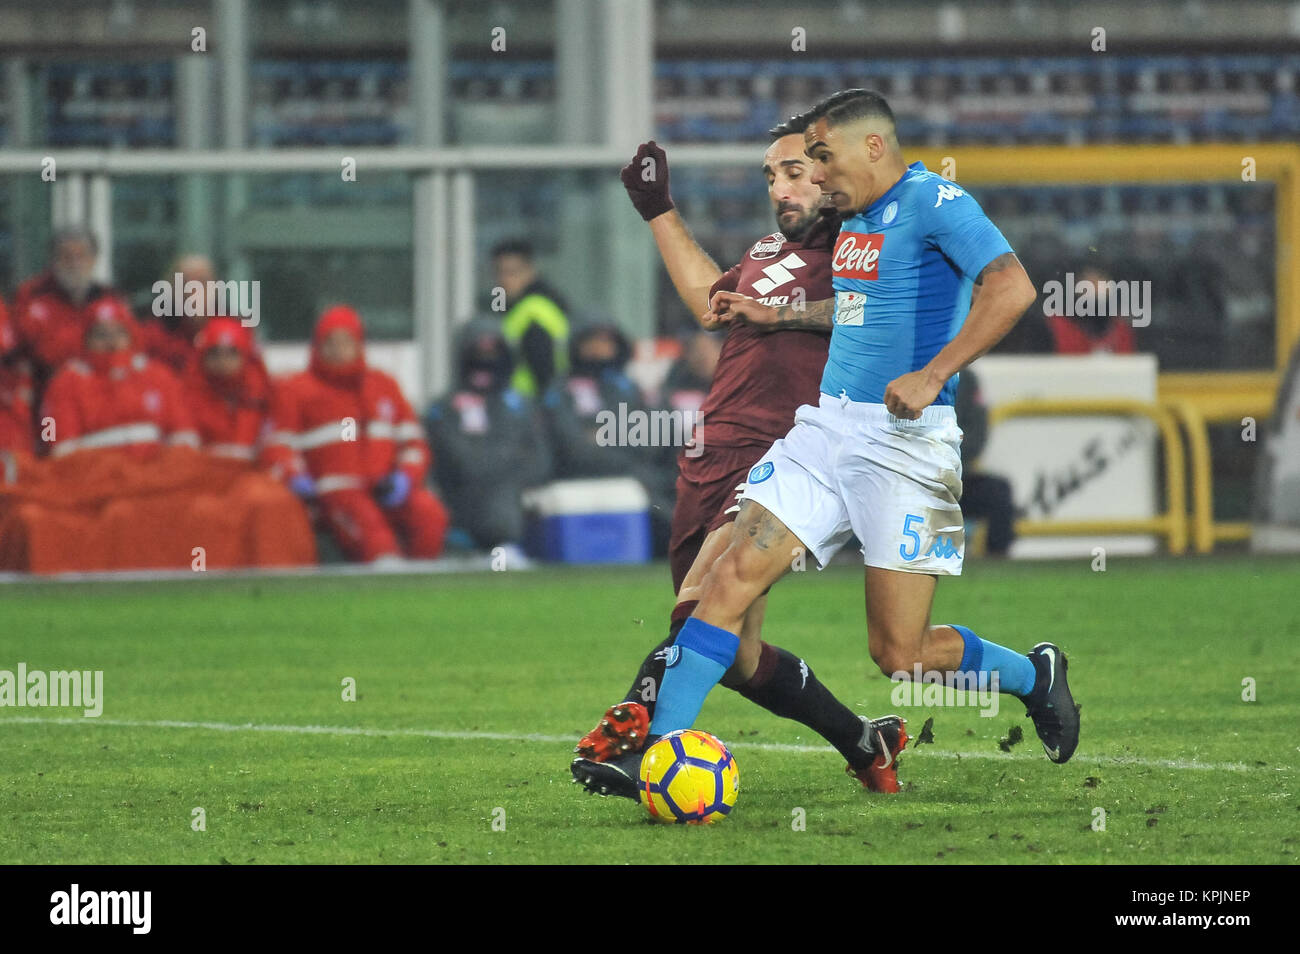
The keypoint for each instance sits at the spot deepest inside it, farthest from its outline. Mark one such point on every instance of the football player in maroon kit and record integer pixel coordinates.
(764, 373)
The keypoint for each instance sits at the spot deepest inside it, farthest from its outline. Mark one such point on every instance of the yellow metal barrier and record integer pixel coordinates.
(1206, 531)
(1171, 524)
(1198, 445)
(1222, 396)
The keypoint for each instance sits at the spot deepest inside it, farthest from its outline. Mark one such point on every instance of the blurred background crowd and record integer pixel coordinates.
(381, 292)
(532, 394)
(82, 374)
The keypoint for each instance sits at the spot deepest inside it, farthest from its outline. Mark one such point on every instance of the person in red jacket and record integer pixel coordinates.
(16, 431)
(227, 390)
(1092, 333)
(170, 338)
(344, 435)
(55, 308)
(112, 396)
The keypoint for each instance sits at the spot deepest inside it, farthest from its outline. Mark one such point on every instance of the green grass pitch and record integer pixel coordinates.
(227, 695)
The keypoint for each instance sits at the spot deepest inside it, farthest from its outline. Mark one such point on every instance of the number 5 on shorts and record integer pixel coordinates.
(913, 535)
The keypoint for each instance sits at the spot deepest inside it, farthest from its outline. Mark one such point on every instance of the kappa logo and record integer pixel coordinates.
(761, 472)
(856, 255)
(943, 548)
(767, 247)
(947, 191)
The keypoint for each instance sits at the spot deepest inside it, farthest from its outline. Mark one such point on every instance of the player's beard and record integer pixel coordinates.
(796, 232)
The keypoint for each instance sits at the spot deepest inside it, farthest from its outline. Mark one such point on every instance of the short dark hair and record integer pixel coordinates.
(794, 126)
(518, 246)
(848, 105)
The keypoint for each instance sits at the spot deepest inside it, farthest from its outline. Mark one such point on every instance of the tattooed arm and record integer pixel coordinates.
(808, 316)
(1004, 293)
(727, 306)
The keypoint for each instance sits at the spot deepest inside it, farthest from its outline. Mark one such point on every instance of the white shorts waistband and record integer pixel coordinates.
(879, 414)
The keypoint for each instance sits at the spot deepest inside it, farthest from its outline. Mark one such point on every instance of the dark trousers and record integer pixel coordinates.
(988, 497)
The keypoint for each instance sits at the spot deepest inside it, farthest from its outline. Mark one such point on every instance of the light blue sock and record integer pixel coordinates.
(699, 658)
(1016, 674)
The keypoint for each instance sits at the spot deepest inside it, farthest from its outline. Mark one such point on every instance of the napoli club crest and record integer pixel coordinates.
(761, 472)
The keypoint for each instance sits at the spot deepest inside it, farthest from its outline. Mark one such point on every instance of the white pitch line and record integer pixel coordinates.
(468, 736)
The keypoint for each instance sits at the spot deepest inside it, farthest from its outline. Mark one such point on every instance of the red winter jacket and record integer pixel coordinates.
(15, 391)
(346, 427)
(119, 399)
(230, 415)
(51, 327)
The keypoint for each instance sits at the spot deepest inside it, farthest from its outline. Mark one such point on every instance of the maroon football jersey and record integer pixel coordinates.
(763, 376)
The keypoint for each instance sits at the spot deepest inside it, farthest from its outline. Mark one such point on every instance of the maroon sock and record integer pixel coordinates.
(681, 613)
(785, 686)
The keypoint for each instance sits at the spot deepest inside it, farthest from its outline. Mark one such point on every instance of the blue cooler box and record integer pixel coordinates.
(604, 520)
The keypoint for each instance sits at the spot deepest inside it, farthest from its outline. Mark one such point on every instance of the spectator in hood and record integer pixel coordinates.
(488, 441)
(227, 390)
(112, 396)
(344, 437)
(581, 435)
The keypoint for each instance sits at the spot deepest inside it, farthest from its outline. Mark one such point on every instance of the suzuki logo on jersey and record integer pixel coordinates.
(856, 254)
(778, 273)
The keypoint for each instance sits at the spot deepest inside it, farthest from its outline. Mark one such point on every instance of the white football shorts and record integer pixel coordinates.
(848, 468)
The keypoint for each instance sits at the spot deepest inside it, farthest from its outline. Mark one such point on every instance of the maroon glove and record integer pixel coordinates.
(647, 184)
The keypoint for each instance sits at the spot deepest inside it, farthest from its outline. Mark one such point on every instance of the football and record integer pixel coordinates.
(689, 777)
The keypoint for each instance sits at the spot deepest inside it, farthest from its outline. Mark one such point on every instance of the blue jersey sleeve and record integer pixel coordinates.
(960, 230)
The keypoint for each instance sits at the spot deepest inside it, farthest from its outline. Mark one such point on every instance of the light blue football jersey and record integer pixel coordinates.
(902, 271)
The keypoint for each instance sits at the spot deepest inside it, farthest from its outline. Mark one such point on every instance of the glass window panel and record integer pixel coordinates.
(309, 239)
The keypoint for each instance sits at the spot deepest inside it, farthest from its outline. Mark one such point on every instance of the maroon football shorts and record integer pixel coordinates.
(707, 488)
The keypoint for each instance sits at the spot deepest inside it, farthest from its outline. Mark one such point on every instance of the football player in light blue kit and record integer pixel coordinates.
(924, 285)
